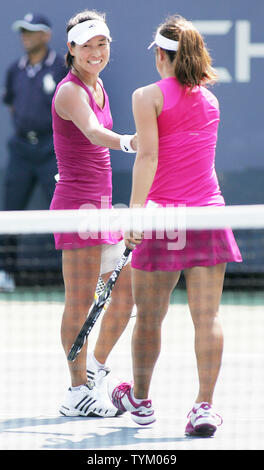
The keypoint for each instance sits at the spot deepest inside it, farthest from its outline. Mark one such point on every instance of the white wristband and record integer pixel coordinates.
(125, 143)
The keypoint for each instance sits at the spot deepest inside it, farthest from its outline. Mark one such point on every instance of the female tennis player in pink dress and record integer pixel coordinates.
(82, 126)
(177, 120)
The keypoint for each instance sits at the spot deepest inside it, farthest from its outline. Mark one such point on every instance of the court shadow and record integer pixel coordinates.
(65, 433)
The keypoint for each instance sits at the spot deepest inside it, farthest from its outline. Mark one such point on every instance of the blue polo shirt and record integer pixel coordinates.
(29, 91)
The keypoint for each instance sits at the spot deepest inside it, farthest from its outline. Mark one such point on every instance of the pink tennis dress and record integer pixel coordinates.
(85, 171)
(186, 176)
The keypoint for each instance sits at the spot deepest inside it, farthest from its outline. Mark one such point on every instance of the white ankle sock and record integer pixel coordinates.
(99, 365)
(137, 400)
(74, 389)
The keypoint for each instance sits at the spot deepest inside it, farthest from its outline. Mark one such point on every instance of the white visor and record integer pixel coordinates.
(164, 43)
(82, 32)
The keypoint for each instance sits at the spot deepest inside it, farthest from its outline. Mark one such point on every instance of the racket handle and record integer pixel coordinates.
(127, 252)
(76, 348)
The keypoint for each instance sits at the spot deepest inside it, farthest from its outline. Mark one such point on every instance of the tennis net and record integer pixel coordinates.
(31, 311)
(34, 241)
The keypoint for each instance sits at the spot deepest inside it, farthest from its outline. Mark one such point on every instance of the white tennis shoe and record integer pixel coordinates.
(203, 421)
(87, 401)
(92, 398)
(141, 412)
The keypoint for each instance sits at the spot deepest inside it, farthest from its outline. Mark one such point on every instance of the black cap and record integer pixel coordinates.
(32, 22)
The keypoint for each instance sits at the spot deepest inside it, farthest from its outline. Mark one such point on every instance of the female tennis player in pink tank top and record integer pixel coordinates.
(82, 126)
(177, 120)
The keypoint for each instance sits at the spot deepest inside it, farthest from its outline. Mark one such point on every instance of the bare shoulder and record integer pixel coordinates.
(150, 96)
(147, 92)
(69, 90)
(69, 97)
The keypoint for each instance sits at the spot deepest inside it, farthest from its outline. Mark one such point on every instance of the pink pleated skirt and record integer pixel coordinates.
(82, 238)
(186, 250)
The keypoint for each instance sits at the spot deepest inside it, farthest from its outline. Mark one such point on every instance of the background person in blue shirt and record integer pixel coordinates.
(29, 87)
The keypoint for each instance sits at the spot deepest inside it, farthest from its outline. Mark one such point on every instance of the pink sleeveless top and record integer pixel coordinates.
(85, 169)
(186, 175)
(85, 172)
(187, 129)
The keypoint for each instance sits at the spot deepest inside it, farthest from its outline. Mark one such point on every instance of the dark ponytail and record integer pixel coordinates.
(193, 64)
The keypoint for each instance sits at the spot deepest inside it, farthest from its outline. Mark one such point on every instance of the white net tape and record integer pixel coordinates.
(169, 218)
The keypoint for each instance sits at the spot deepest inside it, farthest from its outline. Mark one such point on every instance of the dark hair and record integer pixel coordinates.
(84, 15)
(193, 64)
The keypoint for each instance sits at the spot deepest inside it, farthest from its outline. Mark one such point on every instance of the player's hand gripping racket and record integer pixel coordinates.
(97, 307)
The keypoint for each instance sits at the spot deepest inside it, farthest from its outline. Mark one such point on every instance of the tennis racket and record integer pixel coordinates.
(99, 289)
(98, 305)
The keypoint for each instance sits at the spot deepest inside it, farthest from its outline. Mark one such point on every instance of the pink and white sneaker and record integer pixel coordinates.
(120, 395)
(203, 421)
